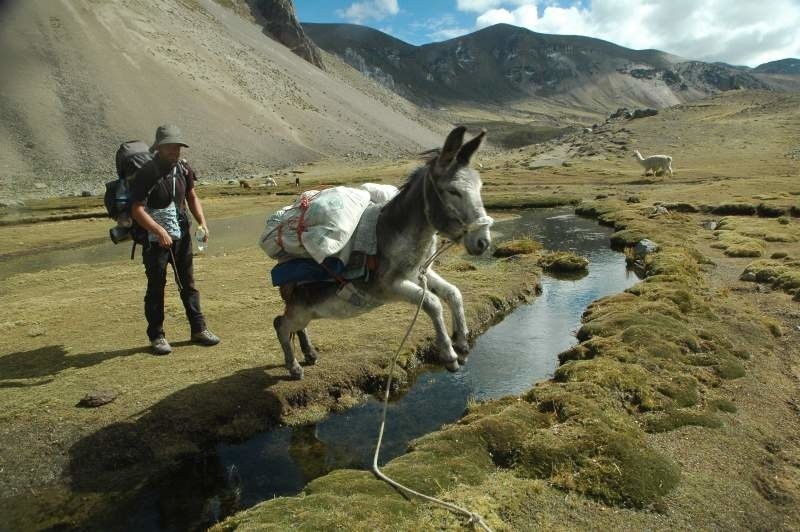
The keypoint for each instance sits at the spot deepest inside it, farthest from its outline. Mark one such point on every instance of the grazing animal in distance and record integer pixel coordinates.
(442, 196)
(244, 184)
(658, 164)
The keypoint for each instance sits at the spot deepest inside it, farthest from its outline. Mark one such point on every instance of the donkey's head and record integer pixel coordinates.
(453, 193)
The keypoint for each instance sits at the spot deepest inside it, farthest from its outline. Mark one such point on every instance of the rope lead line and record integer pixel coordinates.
(474, 518)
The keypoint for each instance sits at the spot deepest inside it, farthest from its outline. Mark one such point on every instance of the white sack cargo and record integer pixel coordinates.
(317, 225)
(379, 193)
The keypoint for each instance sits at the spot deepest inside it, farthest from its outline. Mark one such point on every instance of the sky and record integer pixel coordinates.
(739, 32)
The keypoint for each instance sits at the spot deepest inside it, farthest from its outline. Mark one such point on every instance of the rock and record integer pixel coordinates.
(641, 113)
(657, 210)
(39, 186)
(622, 112)
(233, 181)
(710, 225)
(748, 276)
(280, 21)
(633, 199)
(566, 164)
(97, 398)
(645, 247)
(86, 193)
(587, 130)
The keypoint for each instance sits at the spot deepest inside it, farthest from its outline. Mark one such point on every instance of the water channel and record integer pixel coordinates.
(507, 359)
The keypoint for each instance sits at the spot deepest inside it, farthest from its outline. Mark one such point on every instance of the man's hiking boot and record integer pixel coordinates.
(161, 346)
(205, 337)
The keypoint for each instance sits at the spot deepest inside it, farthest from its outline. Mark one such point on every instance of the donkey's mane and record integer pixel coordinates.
(428, 158)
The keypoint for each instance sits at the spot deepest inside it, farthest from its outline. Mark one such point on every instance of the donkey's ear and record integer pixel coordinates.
(468, 150)
(451, 146)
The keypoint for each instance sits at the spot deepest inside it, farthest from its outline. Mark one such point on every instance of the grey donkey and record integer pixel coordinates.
(442, 196)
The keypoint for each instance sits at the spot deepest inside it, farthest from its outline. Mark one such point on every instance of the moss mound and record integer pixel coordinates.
(738, 245)
(522, 246)
(780, 275)
(676, 419)
(563, 262)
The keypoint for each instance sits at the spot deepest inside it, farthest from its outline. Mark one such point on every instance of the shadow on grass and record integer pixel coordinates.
(123, 455)
(52, 359)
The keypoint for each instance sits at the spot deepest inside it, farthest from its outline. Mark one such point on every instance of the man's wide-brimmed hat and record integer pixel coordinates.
(168, 134)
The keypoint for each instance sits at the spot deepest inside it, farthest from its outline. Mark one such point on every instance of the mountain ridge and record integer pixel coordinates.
(504, 64)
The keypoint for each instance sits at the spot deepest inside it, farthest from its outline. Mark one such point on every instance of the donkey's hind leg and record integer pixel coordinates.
(309, 353)
(452, 296)
(285, 326)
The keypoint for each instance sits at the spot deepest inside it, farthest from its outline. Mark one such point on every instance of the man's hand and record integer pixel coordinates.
(205, 231)
(164, 239)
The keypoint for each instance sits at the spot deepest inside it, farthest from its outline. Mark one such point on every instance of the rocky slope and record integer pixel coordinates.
(80, 77)
(280, 22)
(504, 65)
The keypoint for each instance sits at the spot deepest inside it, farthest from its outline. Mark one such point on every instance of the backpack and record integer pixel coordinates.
(130, 157)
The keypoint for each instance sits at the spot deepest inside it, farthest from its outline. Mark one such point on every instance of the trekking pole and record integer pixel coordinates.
(175, 270)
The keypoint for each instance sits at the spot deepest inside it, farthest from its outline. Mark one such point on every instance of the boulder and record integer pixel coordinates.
(645, 247)
(97, 398)
(641, 113)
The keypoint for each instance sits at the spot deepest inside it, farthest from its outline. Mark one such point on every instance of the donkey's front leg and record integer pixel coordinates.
(452, 296)
(409, 291)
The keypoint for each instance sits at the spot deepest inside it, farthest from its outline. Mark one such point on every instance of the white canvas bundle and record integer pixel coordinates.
(317, 225)
(379, 193)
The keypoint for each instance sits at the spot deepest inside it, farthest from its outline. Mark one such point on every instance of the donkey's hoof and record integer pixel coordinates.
(452, 366)
(296, 372)
(461, 347)
(311, 357)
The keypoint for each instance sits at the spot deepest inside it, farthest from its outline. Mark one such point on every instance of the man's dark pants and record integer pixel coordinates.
(155, 259)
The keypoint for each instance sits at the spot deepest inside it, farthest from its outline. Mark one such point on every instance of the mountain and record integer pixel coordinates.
(280, 22)
(504, 65)
(784, 66)
(82, 76)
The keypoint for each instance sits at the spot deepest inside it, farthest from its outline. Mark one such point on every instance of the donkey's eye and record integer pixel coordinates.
(455, 193)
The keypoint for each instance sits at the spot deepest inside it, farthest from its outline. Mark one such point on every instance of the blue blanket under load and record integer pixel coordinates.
(305, 271)
(364, 244)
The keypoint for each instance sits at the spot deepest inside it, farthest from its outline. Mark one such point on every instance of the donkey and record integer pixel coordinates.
(442, 196)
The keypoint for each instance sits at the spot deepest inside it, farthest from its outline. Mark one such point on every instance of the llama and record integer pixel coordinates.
(244, 184)
(658, 164)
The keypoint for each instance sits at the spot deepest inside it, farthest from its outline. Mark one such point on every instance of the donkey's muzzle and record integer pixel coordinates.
(478, 238)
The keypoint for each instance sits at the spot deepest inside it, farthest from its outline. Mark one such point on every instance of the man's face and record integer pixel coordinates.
(169, 152)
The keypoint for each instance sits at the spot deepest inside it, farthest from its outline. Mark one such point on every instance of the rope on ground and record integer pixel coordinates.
(474, 518)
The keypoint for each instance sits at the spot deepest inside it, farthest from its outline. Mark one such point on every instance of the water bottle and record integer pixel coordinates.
(121, 198)
(200, 236)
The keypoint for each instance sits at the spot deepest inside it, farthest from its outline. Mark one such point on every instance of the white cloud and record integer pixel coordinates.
(358, 12)
(480, 6)
(713, 30)
(445, 34)
(440, 28)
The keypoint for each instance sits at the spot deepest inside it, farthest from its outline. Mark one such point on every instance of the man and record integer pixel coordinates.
(160, 193)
